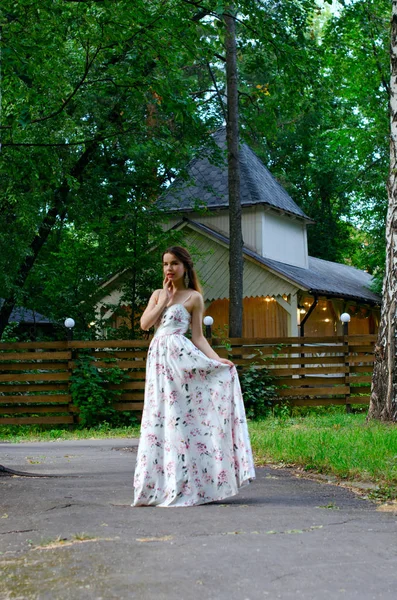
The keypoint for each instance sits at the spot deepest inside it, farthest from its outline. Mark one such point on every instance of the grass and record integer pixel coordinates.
(336, 443)
(326, 441)
(41, 433)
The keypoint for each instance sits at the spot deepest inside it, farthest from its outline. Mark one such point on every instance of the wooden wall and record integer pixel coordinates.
(262, 317)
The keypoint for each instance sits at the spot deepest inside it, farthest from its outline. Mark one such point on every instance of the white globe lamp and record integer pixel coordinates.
(345, 318)
(208, 322)
(69, 324)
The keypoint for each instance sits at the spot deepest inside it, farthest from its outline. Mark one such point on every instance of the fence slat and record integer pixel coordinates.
(110, 344)
(121, 364)
(34, 409)
(128, 406)
(35, 377)
(284, 340)
(315, 370)
(33, 345)
(48, 399)
(324, 391)
(66, 420)
(124, 354)
(360, 379)
(10, 388)
(311, 381)
(298, 360)
(132, 396)
(271, 351)
(34, 355)
(133, 385)
(58, 366)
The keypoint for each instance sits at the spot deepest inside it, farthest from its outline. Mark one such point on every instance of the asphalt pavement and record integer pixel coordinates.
(75, 536)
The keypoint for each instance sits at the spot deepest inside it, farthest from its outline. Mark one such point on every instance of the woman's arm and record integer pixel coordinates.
(153, 310)
(198, 338)
(157, 303)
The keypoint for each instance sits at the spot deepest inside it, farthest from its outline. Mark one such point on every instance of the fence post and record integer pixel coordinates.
(70, 347)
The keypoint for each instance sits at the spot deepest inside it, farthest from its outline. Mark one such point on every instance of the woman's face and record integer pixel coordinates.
(173, 268)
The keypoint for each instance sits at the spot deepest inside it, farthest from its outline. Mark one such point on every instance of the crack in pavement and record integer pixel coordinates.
(17, 531)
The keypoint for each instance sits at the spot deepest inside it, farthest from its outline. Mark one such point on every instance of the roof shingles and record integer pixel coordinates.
(208, 182)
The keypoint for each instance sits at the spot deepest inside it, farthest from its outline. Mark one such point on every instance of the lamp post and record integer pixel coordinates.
(208, 322)
(69, 324)
(345, 318)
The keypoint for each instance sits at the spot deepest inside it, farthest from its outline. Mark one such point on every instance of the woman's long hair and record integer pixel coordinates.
(183, 255)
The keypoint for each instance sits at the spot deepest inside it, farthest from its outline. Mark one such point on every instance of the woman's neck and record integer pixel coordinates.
(180, 288)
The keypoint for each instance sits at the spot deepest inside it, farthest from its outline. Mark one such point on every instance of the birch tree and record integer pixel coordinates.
(383, 403)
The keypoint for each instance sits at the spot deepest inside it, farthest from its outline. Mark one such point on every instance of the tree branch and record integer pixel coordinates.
(88, 66)
(217, 92)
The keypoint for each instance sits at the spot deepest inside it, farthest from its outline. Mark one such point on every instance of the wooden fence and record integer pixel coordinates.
(35, 377)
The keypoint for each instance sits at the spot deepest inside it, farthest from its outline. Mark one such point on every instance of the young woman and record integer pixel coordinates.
(194, 445)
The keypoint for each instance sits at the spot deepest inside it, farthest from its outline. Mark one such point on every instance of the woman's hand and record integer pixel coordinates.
(225, 361)
(168, 291)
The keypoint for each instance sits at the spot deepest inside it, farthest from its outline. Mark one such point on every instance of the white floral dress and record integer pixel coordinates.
(194, 445)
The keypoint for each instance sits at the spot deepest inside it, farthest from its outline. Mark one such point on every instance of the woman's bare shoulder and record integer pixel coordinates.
(155, 295)
(197, 298)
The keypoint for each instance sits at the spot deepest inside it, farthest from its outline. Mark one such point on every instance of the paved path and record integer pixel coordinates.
(282, 537)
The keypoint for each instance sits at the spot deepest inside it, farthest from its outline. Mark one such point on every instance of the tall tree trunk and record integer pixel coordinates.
(58, 208)
(232, 136)
(383, 403)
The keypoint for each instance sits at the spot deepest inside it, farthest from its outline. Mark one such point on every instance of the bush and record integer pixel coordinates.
(89, 389)
(259, 391)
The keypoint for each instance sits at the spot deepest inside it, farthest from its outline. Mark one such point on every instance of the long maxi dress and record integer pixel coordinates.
(194, 446)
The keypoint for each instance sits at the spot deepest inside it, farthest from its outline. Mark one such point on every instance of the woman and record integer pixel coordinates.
(194, 446)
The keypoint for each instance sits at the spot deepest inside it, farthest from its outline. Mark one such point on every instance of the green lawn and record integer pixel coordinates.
(42, 433)
(340, 444)
(330, 442)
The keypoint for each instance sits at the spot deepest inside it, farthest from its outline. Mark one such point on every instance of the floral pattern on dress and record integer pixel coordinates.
(194, 446)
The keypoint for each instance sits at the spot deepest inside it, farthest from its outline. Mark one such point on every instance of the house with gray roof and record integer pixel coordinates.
(286, 291)
(30, 322)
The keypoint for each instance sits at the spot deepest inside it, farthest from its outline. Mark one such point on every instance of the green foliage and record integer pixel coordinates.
(99, 112)
(89, 389)
(102, 107)
(259, 391)
(315, 108)
(10, 333)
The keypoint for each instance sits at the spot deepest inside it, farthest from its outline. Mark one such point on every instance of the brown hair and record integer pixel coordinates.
(183, 255)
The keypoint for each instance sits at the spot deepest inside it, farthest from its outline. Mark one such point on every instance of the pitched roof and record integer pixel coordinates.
(321, 277)
(207, 183)
(24, 315)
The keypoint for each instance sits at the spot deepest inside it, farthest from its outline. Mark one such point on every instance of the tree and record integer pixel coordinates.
(236, 262)
(383, 403)
(90, 92)
(314, 107)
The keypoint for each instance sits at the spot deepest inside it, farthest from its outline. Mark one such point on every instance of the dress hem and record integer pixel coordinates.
(243, 484)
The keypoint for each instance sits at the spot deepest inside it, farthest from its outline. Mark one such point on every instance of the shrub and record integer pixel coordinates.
(259, 391)
(89, 390)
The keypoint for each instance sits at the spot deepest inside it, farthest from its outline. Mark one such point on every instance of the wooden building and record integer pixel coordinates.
(31, 324)
(286, 291)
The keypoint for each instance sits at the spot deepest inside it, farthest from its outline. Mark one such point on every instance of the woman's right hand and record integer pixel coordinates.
(167, 293)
